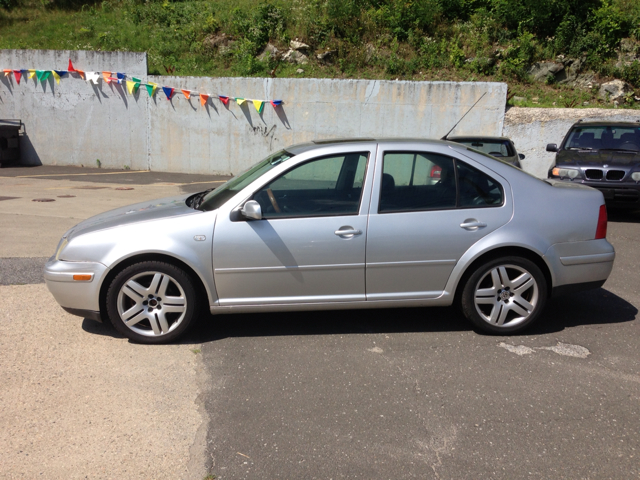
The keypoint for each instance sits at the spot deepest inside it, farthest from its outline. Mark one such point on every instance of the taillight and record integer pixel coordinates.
(601, 230)
(436, 171)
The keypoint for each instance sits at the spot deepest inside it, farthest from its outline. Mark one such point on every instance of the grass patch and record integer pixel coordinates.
(470, 40)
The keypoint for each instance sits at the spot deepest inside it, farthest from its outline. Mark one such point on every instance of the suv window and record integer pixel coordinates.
(325, 186)
(416, 181)
(604, 138)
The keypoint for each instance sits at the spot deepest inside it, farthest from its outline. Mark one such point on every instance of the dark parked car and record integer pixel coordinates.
(499, 147)
(603, 155)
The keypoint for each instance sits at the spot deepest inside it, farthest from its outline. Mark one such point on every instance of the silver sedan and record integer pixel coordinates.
(343, 224)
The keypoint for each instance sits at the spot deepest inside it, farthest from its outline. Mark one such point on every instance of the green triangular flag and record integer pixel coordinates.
(151, 88)
(136, 80)
(39, 74)
(45, 75)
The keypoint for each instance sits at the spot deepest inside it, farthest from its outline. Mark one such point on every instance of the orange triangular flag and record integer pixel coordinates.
(106, 76)
(203, 99)
(187, 93)
(79, 72)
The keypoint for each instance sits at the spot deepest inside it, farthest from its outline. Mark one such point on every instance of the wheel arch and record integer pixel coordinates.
(504, 252)
(150, 257)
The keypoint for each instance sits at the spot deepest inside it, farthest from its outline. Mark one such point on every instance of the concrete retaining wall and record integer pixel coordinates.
(78, 123)
(531, 129)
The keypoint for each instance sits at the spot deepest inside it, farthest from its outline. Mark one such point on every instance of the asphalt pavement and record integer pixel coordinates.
(410, 393)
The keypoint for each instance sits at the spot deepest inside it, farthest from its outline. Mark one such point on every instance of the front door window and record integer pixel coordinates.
(327, 186)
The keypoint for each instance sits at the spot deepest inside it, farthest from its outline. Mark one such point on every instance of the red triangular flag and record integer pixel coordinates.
(18, 75)
(71, 69)
(224, 99)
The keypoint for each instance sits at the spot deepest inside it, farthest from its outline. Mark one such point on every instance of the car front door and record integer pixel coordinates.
(428, 208)
(309, 245)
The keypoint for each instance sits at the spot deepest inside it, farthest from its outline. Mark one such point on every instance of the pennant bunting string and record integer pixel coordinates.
(132, 84)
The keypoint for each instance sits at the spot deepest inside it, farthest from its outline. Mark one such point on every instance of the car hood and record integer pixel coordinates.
(581, 158)
(139, 212)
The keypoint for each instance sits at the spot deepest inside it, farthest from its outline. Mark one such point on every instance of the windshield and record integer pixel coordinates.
(495, 148)
(223, 193)
(604, 138)
(503, 162)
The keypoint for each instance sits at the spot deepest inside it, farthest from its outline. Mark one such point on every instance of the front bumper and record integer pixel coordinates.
(615, 193)
(79, 296)
(580, 265)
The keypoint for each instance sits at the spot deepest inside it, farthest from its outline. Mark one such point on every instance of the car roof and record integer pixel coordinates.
(606, 124)
(316, 144)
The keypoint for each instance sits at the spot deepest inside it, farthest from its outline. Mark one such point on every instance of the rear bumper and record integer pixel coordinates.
(75, 295)
(579, 266)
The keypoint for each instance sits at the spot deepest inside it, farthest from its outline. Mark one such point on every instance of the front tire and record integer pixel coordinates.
(505, 295)
(152, 302)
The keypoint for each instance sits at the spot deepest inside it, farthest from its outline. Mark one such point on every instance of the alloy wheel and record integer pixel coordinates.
(152, 303)
(506, 296)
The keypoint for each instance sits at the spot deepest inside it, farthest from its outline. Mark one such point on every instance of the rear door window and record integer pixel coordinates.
(417, 181)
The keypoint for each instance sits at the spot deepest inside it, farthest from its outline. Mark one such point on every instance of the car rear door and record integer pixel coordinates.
(427, 209)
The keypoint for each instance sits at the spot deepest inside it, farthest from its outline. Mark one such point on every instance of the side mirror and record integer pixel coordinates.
(521, 156)
(552, 147)
(252, 210)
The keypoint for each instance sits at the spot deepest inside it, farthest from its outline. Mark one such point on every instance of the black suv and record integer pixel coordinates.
(603, 155)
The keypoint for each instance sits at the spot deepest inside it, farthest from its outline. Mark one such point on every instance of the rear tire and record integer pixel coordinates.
(505, 295)
(152, 302)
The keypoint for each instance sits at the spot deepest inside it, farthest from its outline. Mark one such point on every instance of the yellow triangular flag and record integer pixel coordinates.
(130, 86)
(31, 73)
(240, 101)
(259, 104)
(56, 76)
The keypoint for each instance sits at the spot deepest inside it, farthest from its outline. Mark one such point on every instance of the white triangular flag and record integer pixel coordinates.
(92, 77)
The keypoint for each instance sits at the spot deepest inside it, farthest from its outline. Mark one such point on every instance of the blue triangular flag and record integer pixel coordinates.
(121, 76)
(61, 72)
(168, 91)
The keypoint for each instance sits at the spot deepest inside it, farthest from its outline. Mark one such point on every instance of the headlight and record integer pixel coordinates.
(635, 176)
(61, 245)
(565, 172)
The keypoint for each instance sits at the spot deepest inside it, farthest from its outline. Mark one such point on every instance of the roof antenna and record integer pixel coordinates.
(447, 134)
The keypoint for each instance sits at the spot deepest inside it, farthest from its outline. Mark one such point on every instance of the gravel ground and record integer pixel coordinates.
(22, 271)
(79, 402)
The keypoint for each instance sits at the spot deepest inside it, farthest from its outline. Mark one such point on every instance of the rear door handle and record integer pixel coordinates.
(472, 224)
(347, 231)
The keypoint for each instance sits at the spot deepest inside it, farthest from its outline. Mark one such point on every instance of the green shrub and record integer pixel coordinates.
(265, 22)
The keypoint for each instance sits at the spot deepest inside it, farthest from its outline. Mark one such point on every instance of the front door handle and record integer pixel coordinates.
(472, 224)
(347, 231)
